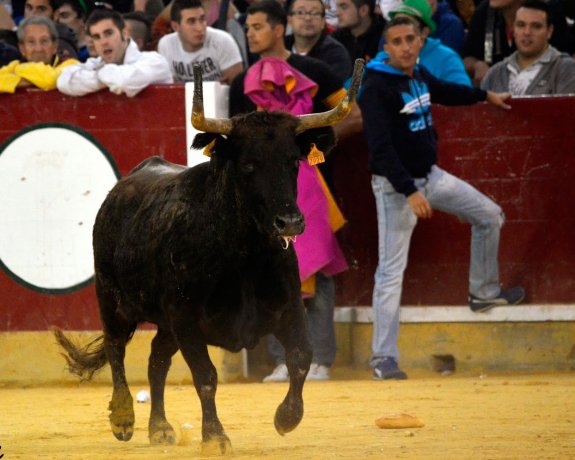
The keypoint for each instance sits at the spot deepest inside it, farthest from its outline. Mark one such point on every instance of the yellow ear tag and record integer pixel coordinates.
(208, 149)
(315, 156)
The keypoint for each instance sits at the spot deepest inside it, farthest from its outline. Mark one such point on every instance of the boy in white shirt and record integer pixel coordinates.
(193, 41)
(120, 65)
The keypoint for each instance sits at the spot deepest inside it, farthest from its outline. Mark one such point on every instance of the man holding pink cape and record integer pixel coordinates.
(299, 85)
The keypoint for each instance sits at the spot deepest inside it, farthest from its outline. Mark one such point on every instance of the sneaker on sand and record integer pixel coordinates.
(511, 296)
(279, 374)
(387, 369)
(318, 372)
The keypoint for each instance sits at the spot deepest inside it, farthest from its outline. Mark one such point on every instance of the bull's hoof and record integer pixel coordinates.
(217, 445)
(288, 417)
(162, 433)
(122, 416)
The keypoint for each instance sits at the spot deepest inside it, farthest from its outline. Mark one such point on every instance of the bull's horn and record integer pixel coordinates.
(331, 117)
(201, 123)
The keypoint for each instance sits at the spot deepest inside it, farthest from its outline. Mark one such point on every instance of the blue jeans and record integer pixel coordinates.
(320, 325)
(396, 221)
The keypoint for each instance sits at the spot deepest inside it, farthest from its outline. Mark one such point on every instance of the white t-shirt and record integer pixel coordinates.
(220, 52)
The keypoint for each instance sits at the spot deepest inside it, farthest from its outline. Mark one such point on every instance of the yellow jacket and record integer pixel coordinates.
(41, 75)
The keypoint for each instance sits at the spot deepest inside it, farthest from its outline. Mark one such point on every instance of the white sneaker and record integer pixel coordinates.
(279, 374)
(318, 372)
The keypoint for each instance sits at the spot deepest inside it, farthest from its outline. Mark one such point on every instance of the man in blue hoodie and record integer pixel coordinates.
(407, 184)
(441, 61)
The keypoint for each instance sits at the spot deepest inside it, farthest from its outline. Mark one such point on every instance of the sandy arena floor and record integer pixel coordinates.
(466, 417)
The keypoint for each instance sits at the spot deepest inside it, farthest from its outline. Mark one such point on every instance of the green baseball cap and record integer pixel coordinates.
(419, 9)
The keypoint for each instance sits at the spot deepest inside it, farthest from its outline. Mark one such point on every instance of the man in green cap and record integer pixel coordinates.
(441, 61)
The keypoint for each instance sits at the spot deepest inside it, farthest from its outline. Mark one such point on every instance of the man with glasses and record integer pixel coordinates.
(307, 21)
(38, 44)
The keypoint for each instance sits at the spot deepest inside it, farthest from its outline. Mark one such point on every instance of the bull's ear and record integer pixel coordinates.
(203, 139)
(323, 138)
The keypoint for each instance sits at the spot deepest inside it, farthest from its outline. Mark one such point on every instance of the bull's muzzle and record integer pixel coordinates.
(289, 225)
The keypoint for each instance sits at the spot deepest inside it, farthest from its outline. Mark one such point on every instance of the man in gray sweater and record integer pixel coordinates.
(536, 68)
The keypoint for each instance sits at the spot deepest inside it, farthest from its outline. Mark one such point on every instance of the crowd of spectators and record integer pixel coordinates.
(463, 38)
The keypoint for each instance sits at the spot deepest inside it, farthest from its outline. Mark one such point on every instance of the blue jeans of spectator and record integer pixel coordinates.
(320, 325)
(396, 221)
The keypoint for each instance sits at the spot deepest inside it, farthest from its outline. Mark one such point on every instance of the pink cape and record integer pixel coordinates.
(272, 84)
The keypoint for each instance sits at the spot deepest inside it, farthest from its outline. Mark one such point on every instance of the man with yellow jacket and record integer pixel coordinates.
(38, 44)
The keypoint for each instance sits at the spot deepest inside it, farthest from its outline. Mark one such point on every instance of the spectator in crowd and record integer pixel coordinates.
(6, 20)
(227, 20)
(38, 43)
(490, 36)
(441, 61)
(266, 23)
(408, 185)
(149, 8)
(309, 38)
(120, 66)
(450, 28)
(536, 67)
(139, 29)
(359, 28)
(464, 9)
(387, 6)
(193, 41)
(67, 41)
(73, 13)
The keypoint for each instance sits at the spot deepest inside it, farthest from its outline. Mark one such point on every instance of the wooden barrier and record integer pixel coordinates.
(523, 158)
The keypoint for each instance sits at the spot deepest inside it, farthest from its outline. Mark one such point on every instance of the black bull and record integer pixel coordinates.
(200, 253)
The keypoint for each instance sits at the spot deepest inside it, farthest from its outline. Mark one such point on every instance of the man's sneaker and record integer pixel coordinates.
(279, 374)
(318, 372)
(511, 296)
(387, 369)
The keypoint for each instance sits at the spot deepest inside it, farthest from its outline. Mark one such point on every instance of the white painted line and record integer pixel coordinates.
(462, 314)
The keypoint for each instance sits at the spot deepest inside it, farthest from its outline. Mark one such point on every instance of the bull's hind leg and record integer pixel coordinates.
(163, 348)
(117, 334)
(122, 405)
(195, 353)
(292, 334)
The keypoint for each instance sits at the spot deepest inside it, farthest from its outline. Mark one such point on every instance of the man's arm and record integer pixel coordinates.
(476, 69)
(227, 53)
(565, 77)
(474, 45)
(130, 79)
(231, 72)
(80, 79)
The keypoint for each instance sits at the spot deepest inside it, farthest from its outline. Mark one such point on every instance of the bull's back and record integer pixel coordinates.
(136, 210)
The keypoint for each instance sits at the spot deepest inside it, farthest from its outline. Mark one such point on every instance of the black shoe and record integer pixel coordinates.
(511, 296)
(387, 369)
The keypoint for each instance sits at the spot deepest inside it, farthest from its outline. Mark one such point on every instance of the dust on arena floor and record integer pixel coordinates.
(515, 416)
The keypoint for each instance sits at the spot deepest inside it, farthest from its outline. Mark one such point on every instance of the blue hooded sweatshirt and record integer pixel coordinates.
(441, 61)
(397, 121)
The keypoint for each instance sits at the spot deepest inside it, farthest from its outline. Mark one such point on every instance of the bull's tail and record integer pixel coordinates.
(82, 361)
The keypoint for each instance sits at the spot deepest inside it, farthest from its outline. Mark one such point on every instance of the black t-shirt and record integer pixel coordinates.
(314, 69)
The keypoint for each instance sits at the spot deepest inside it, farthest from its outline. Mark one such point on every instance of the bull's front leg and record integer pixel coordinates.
(214, 439)
(292, 334)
